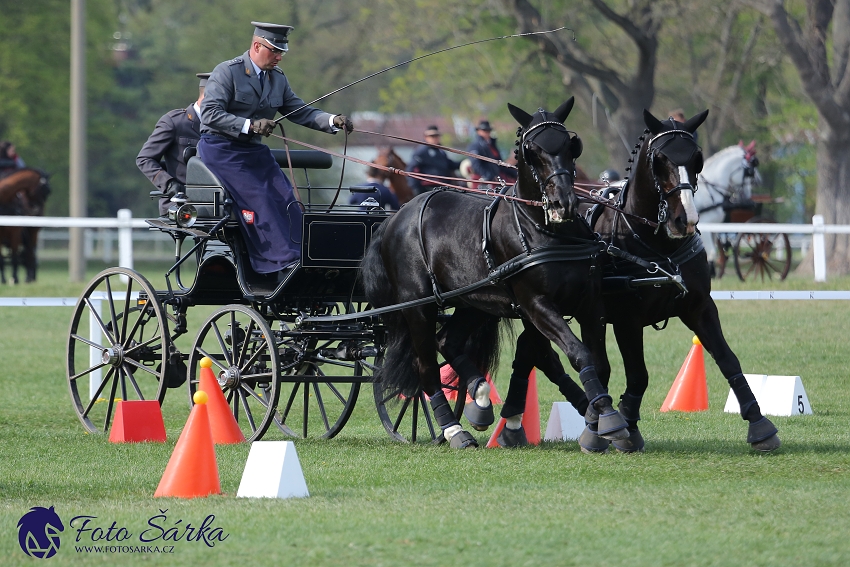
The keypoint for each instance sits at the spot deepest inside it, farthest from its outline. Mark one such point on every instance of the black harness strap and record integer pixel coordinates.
(438, 297)
(538, 256)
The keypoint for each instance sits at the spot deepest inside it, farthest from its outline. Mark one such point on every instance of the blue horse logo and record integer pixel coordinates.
(38, 532)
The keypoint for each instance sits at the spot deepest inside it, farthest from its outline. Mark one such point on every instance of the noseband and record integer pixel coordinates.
(652, 153)
(534, 173)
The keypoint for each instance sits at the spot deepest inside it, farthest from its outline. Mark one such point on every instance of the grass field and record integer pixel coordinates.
(698, 496)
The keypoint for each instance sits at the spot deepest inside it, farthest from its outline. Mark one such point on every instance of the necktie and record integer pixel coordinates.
(262, 79)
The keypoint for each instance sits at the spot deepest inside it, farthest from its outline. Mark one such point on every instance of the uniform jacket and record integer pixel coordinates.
(233, 93)
(430, 161)
(488, 170)
(173, 133)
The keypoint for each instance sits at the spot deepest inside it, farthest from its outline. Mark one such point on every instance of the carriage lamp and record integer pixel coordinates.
(184, 214)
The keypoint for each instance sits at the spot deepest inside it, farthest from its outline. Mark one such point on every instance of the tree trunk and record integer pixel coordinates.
(832, 195)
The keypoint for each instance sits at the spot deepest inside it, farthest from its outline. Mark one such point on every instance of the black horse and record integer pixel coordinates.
(661, 190)
(539, 261)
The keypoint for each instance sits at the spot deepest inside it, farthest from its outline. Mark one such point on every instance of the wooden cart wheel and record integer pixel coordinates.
(118, 346)
(245, 359)
(762, 255)
(410, 419)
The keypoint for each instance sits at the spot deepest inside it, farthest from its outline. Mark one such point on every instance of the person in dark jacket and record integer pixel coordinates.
(161, 158)
(430, 160)
(485, 145)
(242, 98)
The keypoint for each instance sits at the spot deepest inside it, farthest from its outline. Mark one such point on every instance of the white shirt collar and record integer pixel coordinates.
(257, 70)
(197, 108)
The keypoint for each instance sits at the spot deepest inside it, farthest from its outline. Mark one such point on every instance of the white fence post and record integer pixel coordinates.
(125, 240)
(95, 354)
(819, 248)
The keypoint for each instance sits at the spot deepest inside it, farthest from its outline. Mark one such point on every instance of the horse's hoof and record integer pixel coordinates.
(463, 440)
(761, 430)
(591, 443)
(769, 444)
(479, 417)
(612, 426)
(511, 438)
(634, 444)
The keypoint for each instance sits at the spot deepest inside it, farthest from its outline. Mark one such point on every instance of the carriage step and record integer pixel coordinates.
(349, 352)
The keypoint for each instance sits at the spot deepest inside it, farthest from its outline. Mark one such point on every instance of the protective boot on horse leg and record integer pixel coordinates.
(534, 350)
(467, 341)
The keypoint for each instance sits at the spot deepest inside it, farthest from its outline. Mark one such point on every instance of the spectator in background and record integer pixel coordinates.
(385, 198)
(10, 161)
(485, 145)
(430, 160)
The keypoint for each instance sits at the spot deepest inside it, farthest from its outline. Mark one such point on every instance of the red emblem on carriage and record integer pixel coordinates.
(248, 216)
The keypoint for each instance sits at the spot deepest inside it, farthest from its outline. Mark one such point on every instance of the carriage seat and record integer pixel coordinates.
(204, 190)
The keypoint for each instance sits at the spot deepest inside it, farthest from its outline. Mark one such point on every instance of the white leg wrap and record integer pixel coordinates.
(482, 395)
(514, 422)
(451, 431)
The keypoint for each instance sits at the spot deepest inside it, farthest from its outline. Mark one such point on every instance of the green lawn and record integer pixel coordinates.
(698, 496)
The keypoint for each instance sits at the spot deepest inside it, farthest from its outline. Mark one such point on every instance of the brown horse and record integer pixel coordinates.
(396, 182)
(23, 192)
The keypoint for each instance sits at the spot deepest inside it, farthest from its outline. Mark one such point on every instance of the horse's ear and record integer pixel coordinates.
(693, 123)
(520, 115)
(564, 110)
(751, 147)
(655, 126)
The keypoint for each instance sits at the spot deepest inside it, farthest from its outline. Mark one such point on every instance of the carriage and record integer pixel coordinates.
(285, 354)
(727, 181)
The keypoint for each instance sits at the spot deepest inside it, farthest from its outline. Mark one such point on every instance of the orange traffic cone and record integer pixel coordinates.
(690, 390)
(530, 417)
(192, 470)
(448, 377)
(137, 421)
(223, 425)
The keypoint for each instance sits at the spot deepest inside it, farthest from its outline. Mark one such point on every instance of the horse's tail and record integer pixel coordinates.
(483, 347)
(398, 371)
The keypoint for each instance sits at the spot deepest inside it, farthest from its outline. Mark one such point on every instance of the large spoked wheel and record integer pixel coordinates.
(117, 346)
(410, 419)
(762, 255)
(320, 385)
(245, 361)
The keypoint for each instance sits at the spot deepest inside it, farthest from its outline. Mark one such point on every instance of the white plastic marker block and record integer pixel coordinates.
(564, 424)
(272, 471)
(776, 395)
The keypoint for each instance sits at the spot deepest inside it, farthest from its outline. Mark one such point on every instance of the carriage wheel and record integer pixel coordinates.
(244, 353)
(320, 390)
(120, 352)
(762, 255)
(410, 418)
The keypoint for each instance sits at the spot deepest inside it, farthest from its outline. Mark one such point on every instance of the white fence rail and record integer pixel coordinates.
(125, 223)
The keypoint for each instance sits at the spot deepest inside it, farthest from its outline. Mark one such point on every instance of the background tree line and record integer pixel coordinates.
(618, 57)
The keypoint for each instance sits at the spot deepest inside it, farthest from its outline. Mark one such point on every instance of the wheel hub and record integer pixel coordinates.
(113, 355)
(229, 377)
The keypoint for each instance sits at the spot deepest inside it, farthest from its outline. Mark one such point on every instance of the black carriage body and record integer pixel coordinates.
(334, 243)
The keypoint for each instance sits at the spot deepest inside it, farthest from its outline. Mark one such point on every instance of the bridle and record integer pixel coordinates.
(684, 179)
(524, 144)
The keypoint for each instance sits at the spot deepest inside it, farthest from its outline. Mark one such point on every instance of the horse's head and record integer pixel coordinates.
(546, 160)
(671, 160)
(37, 194)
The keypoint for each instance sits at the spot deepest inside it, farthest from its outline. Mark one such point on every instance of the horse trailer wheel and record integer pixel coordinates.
(319, 387)
(117, 346)
(245, 362)
(410, 419)
(760, 255)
